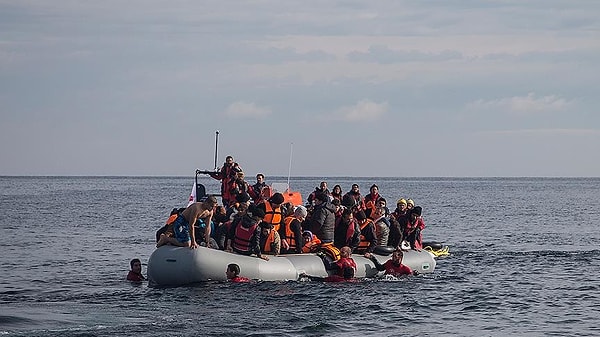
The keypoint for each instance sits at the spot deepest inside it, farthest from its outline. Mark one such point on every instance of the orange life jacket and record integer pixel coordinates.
(269, 242)
(364, 244)
(289, 234)
(273, 216)
(312, 245)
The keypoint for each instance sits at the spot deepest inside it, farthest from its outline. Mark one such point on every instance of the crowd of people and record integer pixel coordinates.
(253, 220)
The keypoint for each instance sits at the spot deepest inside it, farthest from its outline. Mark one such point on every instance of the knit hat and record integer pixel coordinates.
(300, 211)
(308, 233)
(321, 196)
(277, 198)
(401, 201)
(410, 202)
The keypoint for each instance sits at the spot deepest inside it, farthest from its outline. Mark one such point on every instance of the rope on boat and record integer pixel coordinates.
(438, 252)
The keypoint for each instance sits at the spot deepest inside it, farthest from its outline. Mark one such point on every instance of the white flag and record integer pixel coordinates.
(192, 198)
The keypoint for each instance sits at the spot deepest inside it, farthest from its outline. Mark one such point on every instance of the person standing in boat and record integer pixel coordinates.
(227, 175)
(183, 227)
(322, 220)
(260, 191)
(398, 221)
(414, 227)
(273, 212)
(354, 200)
(336, 193)
(322, 188)
(392, 266)
(371, 200)
(292, 231)
(382, 226)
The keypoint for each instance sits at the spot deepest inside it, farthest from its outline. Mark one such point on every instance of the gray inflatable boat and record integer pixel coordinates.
(175, 266)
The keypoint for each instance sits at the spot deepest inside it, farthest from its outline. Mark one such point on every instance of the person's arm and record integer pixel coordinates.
(297, 230)
(378, 265)
(207, 230)
(255, 244)
(276, 245)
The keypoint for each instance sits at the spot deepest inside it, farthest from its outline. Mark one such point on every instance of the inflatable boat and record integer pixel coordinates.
(175, 266)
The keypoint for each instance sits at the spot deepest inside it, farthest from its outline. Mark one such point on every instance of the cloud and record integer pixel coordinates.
(246, 110)
(522, 105)
(363, 111)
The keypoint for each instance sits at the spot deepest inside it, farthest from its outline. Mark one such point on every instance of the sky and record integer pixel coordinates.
(342, 88)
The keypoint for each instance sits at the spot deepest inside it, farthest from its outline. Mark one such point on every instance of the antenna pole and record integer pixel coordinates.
(290, 167)
(216, 147)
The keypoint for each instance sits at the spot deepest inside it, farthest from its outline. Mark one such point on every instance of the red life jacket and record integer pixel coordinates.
(241, 240)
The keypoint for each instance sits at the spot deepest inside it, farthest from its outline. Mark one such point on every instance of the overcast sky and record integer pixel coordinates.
(361, 88)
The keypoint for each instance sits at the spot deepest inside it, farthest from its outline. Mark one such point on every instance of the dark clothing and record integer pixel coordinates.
(322, 221)
(346, 234)
(296, 229)
(254, 244)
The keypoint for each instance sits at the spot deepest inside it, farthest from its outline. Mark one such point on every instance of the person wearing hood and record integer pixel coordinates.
(322, 220)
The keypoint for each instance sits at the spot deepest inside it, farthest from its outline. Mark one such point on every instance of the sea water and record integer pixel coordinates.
(524, 261)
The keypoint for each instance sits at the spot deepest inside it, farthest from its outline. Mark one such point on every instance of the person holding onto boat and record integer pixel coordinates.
(227, 175)
(233, 274)
(322, 220)
(292, 231)
(135, 274)
(414, 227)
(392, 266)
(183, 227)
(344, 269)
(311, 242)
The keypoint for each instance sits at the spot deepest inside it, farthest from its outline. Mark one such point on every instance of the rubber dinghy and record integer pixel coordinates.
(175, 266)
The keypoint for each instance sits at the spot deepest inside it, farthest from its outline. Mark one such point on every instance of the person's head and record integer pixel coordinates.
(337, 190)
(374, 189)
(241, 175)
(410, 204)
(401, 204)
(232, 271)
(345, 251)
(300, 213)
(360, 215)
(355, 189)
(255, 213)
(378, 212)
(211, 201)
(323, 185)
(229, 160)
(266, 228)
(307, 236)
(381, 202)
(321, 197)
(276, 199)
(260, 178)
(136, 265)
(397, 255)
(347, 215)
(336, 204)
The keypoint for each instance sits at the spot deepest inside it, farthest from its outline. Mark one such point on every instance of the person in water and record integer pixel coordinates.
(135, 274)
(233, 274)
(344, 268)
(392, 266)
(183, 227)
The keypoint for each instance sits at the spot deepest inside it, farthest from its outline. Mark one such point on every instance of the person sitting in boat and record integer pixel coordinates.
(167, 229)
(227, 175)
(336, 193)
(270, 241)
(292, 231)
(344, 269)
(382, 202)
(354, 200)
(135, 274)
(371, 200)
(414, 227)
(260, 191)
(347, 231)
(393, 266)
(233, 274)
(398, 221)
(244, 233)
(183, 227)
(272, 209)
(311, 242)
(322, 188)
(382, 226)
(368, 237)
(322, 220)
(410, 204)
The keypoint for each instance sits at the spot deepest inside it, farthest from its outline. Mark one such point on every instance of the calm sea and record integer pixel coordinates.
(525, 261)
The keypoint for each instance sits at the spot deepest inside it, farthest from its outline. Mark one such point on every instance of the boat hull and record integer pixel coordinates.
(175, 266)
